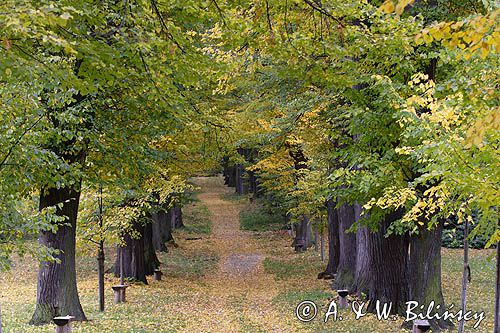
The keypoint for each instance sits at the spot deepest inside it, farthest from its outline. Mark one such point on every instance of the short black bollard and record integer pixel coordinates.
(157, 275)
(63, 324)
(119, 293)
(343, 298)
(420, 326)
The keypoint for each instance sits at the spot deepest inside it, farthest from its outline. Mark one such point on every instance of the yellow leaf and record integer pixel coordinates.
(387, 7)
(485, 50)
(428, 38)
(438, 34)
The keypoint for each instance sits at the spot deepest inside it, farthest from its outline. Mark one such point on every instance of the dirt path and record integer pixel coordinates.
(240, 291)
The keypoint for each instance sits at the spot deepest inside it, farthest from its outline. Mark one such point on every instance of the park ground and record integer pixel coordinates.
(222, 279)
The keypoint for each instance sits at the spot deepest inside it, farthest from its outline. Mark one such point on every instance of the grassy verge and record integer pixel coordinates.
(189, 265)
(255, 218)
(236, 198)
(196, 220)
(297, 274)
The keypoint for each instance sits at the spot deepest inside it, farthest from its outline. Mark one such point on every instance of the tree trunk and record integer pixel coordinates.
(57, 292)
(346, 270)
(100, 275)
(465, 275)
(424, 272)
(309, 236)
(253, 184)
(133, 256)
(162, 229)
(388, 263)
(333, 241)
(231, 176)
(322, 247)
(178, 216)
(362, 277)
(241, 187)
(301, 235)
(226, 170)
(151, 261)
(316, 237)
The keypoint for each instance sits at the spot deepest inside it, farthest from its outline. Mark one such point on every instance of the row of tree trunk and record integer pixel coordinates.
(390, 269)
(139, 251)
(237, 176)
(57, 293)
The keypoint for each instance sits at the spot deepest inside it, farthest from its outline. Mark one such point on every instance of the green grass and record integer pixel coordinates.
(192, 265)
(236, 198)
(143, 312)
(286, 269)
(294, 297)
(197, 220)
(297, 273)
(255, 218)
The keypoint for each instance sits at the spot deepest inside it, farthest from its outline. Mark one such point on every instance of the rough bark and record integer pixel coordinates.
(177, 211)
(57, 292)
(151, 261)
(333, 241)
(388, 263)
(231, 176)
(301, 241)
(241, 186)
(133, 255)
(228, 172)
(424, 271)
(162, 229)
(346, 269)
(225, 170)
(362, 276)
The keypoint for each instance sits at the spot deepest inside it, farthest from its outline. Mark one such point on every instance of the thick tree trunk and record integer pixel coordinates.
(151, 261)
(362, 276)
(162, 229)
(133, 256)
(177, 210)
(333, 241)
(346, 270)
(57, 292)
(388, 263)
(225, 170)
(424, 272)
(230, 179)
(301, 241)
(241, 186)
